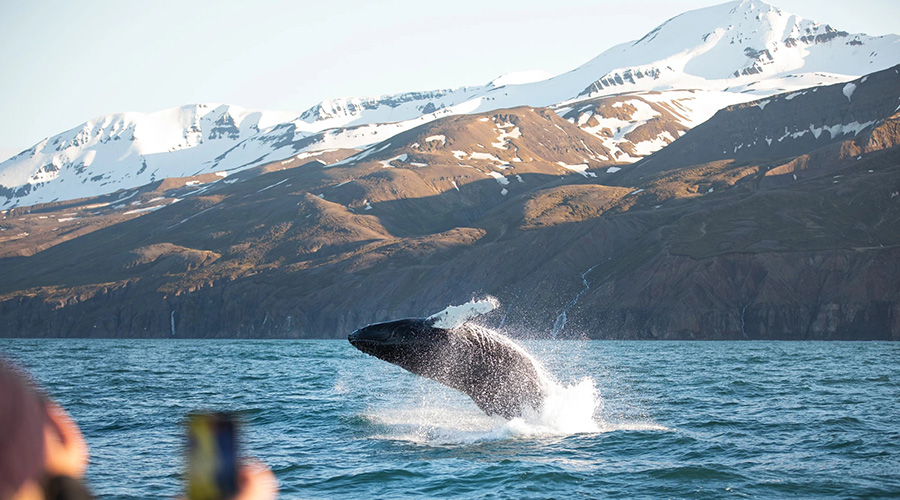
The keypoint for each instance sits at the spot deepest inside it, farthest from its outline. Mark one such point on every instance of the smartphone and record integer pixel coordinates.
(212, 456)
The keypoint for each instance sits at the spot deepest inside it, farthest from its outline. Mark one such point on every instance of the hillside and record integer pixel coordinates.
(520, 203)
(637, 97)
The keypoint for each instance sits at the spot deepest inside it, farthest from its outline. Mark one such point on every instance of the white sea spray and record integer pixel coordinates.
(435, 414)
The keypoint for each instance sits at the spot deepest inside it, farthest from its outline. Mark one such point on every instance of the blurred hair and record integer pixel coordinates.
(23, 413)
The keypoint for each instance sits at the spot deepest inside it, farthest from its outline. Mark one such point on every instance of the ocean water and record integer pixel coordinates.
(628, 420)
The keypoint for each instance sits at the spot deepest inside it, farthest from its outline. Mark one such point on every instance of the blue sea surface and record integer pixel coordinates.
(630, 419)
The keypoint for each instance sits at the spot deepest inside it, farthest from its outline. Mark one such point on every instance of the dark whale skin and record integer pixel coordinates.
(497, 374)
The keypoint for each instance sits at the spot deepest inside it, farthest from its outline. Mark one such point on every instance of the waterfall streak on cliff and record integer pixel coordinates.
(562, 318)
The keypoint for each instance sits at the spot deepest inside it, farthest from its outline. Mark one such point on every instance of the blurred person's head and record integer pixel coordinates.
(42, 451)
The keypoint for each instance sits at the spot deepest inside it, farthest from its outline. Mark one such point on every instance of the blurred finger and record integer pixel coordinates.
(257, 482)
(65, 450)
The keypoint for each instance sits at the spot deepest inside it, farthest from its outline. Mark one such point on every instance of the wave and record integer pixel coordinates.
(440, 419)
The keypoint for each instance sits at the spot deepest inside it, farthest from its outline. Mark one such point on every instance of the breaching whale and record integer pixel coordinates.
(490, 368)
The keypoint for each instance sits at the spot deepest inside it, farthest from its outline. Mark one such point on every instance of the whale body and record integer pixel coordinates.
(490, 368)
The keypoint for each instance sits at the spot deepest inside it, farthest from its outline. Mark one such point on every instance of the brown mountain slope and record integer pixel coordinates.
(789, 125)
(301, 228)
(515, 203)
(632, 126)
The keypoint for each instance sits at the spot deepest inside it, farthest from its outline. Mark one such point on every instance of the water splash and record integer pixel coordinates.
(454, 316)
(565, 411)
(443, 417)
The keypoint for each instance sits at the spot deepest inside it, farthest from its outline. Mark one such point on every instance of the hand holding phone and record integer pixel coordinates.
(212, 454)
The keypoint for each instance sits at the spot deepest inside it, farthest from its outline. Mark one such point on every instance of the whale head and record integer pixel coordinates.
(404, 342)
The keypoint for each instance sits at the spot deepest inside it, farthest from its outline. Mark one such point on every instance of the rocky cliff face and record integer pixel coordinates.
(520, 203)
(794, 124)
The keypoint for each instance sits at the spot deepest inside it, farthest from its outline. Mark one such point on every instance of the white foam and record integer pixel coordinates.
(566, 410)
(444, 416)
(436, 414)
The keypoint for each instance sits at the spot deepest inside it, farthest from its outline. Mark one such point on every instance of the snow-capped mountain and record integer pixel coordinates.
(855, 119)
(128, 149)
(775, 219)
(745, 46)
(700, 61)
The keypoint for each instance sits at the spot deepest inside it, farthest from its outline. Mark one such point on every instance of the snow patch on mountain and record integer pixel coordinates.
(726, 54)
(736, 46)
(580, 168)
(520, 78)
(621, 132)
(848, 90)
(128, 149)
(746, 46)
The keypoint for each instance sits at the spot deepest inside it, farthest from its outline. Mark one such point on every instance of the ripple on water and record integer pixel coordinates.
(639, 420)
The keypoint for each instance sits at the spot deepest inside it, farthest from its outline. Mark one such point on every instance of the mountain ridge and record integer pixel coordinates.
(316, 248)
(734, 52)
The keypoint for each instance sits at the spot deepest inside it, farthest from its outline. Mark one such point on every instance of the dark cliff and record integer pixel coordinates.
(795, 241)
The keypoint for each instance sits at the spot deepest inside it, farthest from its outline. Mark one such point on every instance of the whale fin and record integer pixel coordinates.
(455, 316)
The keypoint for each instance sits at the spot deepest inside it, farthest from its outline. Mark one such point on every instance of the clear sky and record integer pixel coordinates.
(66, 62)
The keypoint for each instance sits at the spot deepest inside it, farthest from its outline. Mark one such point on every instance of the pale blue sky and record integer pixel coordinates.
(66, 62)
